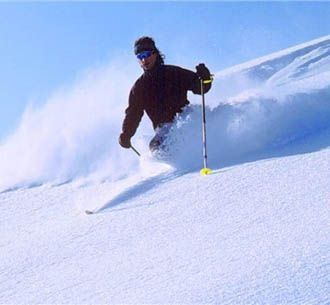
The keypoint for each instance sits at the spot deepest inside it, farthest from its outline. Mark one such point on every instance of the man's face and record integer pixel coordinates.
(148, 62)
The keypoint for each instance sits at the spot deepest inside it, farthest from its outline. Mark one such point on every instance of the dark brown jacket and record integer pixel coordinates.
(161, 93)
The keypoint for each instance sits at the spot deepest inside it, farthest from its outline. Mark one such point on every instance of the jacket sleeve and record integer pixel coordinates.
(193, 82)
(133, 114)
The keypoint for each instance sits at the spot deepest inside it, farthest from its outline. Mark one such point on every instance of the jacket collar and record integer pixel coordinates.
(154, 71)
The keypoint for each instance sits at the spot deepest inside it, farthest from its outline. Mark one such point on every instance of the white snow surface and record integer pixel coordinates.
(256, 231)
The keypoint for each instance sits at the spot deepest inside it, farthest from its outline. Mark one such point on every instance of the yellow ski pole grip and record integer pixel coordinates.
(208, 81)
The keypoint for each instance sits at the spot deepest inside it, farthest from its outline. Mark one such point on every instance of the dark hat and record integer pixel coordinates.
(143, 44)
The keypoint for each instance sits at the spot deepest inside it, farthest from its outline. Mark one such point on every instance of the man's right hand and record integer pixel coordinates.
(124, 141)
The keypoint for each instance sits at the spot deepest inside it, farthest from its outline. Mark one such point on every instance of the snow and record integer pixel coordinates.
(255, 231)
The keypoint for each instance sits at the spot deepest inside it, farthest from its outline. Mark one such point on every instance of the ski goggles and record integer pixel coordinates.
(144, 54)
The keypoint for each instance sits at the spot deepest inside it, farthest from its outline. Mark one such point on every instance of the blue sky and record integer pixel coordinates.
(46, 45)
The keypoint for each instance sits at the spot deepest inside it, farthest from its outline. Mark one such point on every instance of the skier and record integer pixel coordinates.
(161, 91)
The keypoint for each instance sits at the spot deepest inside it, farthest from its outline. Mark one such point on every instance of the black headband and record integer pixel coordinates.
(144, 46)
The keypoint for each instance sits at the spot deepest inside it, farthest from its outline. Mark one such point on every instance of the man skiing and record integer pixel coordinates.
(161, 91)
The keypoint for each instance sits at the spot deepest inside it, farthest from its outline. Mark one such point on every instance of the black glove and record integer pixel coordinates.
(203, 72)
(124, 141)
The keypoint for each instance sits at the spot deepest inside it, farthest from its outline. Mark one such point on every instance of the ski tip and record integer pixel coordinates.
(88, 212)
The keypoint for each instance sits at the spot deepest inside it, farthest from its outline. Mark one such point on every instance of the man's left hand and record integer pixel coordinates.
(203, 72)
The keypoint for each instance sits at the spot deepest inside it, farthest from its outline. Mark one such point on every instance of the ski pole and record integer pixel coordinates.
(135, 151)
(205, 170)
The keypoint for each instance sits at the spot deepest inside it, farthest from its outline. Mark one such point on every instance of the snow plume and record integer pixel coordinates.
(74, 134)
(253, 108)
(240, 131)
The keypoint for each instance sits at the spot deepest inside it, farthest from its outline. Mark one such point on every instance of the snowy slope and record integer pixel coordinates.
(249, 233)
(256, 231)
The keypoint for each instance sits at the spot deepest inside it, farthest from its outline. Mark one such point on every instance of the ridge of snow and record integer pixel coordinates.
(251, 63)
